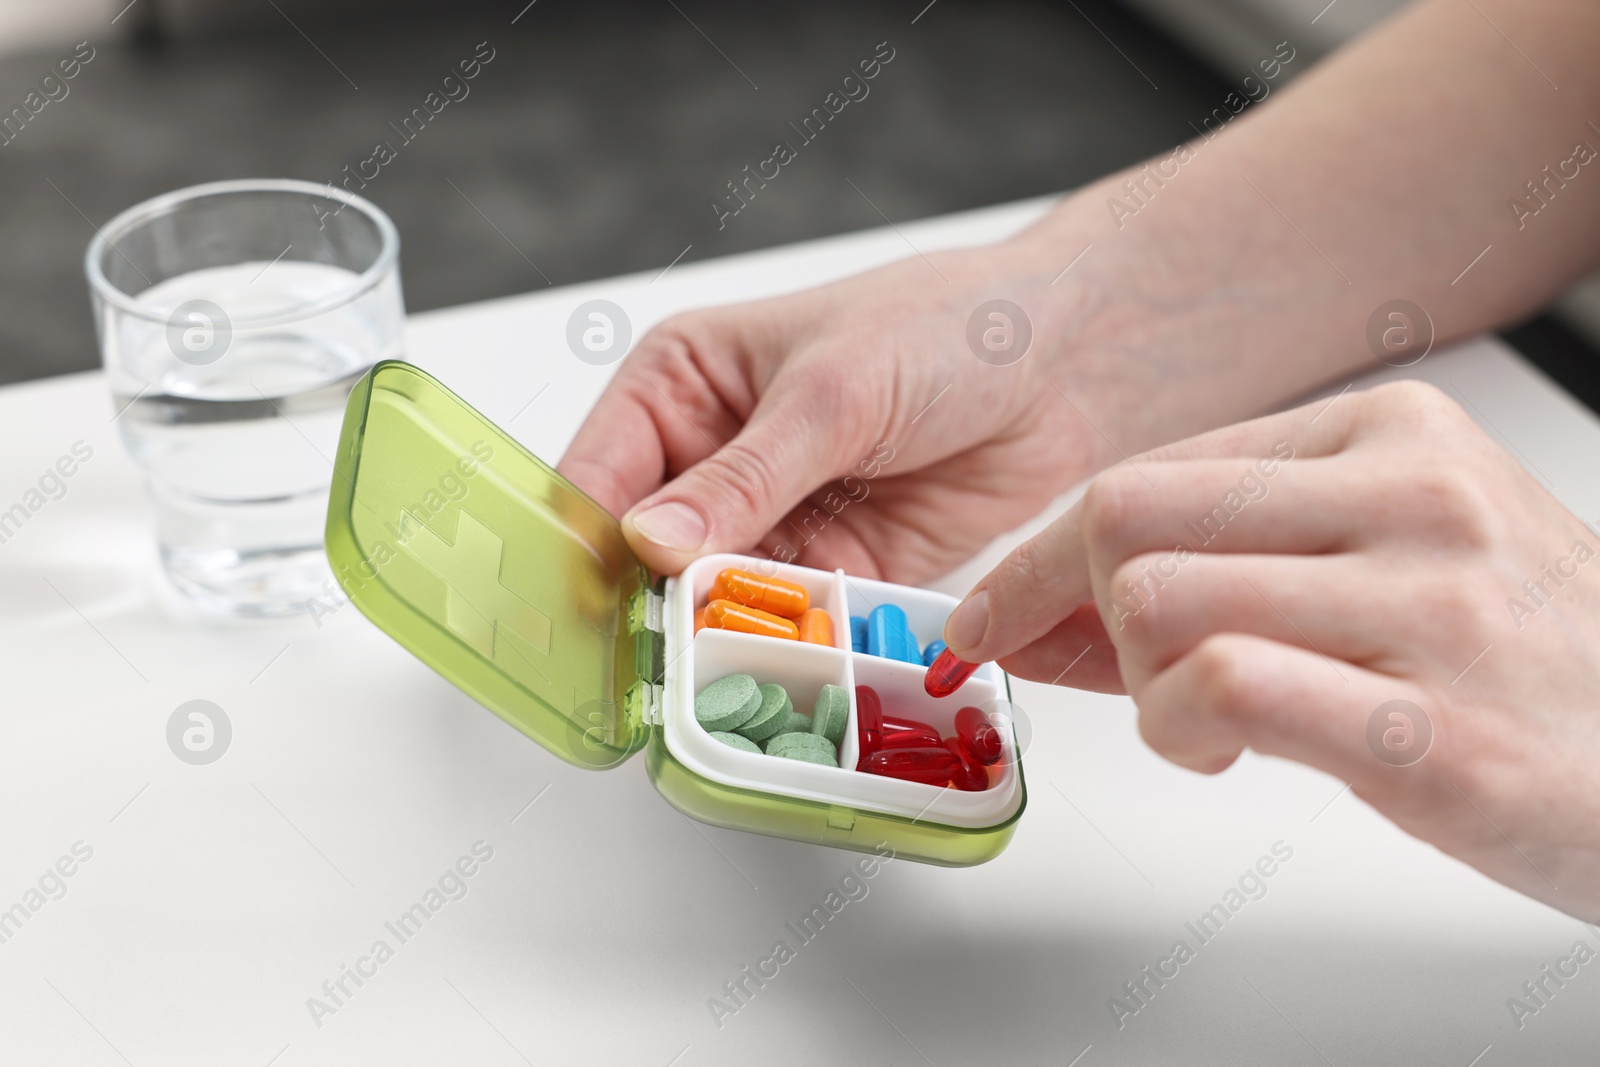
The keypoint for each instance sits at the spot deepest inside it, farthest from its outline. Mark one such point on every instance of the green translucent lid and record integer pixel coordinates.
(491, 568)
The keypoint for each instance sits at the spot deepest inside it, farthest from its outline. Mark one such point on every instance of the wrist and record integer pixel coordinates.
(1181, 319)
(1114, 359)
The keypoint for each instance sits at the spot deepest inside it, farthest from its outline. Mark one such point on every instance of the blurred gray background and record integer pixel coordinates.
(594, 140)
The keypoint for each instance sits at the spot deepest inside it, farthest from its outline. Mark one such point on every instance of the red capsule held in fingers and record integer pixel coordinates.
(908, 733)
(869, 723)
(929, 765)
(947, 674)
(980, 736)
(970, 776)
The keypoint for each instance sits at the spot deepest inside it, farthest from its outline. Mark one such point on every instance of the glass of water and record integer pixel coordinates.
(233, 320)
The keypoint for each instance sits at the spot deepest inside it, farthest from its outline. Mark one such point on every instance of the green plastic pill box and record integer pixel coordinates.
(506, 579)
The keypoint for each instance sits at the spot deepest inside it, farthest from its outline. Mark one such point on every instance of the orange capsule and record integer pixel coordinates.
(726, 615)
(816, 626)
(700, 620)
(772, 595)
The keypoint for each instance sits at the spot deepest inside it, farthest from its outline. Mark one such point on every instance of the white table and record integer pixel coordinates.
(219, 898)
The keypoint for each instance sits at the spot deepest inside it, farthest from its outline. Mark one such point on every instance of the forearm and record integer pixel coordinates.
(1249, 272)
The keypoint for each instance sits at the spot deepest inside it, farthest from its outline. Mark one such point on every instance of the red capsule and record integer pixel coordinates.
(869, 723)
(930, 766)
(980, 736)
(906, 739)
(970, 776)
(908, 733)
(947, 673)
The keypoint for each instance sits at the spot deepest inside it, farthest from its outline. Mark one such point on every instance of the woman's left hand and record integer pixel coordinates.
(1370, 586)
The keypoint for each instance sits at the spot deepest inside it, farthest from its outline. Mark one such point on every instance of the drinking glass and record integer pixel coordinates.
(233, 319)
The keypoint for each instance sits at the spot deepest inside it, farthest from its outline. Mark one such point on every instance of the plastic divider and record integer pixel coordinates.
(850, 747)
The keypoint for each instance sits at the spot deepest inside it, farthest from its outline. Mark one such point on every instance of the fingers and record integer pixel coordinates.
(617, 455)
(1236, 691)
(1222, 505)
(672, 402)
(798, 436)
(1212, 492)
(1157, 609)
(1039, 583)
(1263, 504)
(1321, 428)
(1152, 502)
(687, 409)
(1076, 652)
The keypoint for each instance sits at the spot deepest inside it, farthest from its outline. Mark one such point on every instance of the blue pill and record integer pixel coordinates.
(881, 640)
(909, 650)
(931, 653)
(887, 633)
(858, 633)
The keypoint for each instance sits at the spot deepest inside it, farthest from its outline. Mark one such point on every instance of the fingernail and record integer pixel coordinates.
(673, 526)
(969, 622)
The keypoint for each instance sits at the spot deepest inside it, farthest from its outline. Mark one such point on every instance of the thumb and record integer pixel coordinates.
(728, 501)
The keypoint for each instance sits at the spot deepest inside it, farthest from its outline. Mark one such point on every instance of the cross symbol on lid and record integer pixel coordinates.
(478, 603)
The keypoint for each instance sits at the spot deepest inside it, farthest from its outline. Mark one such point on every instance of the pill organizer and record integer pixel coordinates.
(515, 586)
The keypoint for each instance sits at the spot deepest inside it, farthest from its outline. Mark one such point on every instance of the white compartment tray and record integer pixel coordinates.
(694, 662)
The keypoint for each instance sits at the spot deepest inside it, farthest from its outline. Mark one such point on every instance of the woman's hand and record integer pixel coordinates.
(1206, 285)
(1369, 586)
(848, 426)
